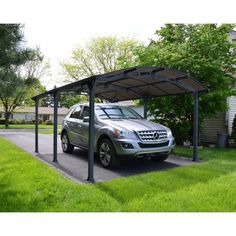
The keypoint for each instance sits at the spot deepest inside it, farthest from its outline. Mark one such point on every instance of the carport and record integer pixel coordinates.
(128, 84)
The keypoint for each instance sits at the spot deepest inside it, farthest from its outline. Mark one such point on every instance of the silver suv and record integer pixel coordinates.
(119, 132)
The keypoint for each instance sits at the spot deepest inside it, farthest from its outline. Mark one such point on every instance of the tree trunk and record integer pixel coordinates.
(7, 117)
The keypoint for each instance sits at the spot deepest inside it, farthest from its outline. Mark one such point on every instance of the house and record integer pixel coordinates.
(222, 122)
(28, 113)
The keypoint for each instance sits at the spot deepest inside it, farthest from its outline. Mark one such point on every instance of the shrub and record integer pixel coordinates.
(23, 121)
(233, 134)
(17, 122)
(11, 121)
(39, 120)
(2, 121)
(48, 122)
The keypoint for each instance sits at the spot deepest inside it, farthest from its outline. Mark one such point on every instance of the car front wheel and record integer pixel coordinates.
(107, 154)
(65, 144)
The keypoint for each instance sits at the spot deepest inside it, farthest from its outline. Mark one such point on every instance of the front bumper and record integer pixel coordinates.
(140, 149)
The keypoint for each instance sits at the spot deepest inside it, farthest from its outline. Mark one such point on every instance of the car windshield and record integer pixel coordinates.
(116, 112)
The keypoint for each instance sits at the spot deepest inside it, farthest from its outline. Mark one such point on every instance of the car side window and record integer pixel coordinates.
(76, 113)
(85, 112)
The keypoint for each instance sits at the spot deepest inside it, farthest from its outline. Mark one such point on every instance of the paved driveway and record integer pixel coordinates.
(75, 165)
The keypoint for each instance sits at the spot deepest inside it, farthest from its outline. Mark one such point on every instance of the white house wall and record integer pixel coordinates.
(31, 116)
(23, 116)
(231, 112)
(59, 119)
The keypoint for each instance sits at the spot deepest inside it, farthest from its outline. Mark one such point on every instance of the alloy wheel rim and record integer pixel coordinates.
(64, 142)
(105, 154)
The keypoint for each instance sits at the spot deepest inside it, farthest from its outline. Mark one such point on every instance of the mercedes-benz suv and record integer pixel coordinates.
(120, 132)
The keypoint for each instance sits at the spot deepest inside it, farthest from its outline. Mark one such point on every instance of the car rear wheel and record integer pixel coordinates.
(65, 144)
(107, 154)
(160, 158)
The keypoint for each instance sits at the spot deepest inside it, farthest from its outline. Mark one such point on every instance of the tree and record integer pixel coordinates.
(71, 99)
(35, 69)
(14, 85)
(204, 52)
(101, 55)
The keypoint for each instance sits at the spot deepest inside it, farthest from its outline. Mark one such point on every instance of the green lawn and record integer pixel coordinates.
(206, 153)
(28, 126)
(27, 184)
(44, 131)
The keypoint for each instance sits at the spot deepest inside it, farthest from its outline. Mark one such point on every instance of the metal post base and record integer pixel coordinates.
(91, 180)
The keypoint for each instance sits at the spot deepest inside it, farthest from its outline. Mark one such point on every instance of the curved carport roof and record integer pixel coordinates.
(135, 83)
(128, 84)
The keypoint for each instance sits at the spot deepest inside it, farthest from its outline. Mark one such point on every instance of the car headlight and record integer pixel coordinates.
(169, 133)
(125, 134)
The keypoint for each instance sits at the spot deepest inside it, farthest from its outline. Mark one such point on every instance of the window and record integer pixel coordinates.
(115, 112)
(30, 117)
(85, 112)
(76, 113)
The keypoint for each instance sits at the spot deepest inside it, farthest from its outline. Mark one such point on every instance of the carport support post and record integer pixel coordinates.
(55, 96)
(195, 127)
(36, 125)
(145, 103)
(91, 132)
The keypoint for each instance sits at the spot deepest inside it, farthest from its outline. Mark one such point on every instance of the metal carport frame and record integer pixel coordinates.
(128, 84)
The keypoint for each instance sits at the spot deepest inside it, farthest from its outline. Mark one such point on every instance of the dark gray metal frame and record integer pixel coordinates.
(91, 84)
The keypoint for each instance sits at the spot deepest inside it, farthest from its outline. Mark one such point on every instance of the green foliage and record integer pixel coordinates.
(2, 121)
(102, 54)
(233, 134)
(204, 52)
(48, 122)
(70, 99)
(18, 79)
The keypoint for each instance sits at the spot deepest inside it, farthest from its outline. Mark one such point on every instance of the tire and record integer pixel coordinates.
(107, 154)
(65, 144)
(160, 158)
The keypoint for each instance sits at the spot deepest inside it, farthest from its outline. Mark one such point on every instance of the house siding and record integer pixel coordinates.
(231, 112)
(22, 116)
(213, 126)
(59, 119)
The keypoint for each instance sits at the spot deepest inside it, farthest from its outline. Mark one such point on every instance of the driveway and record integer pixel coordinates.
(75, 165)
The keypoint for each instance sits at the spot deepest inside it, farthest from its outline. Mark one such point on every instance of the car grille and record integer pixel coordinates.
(152, 135)
(153, 145)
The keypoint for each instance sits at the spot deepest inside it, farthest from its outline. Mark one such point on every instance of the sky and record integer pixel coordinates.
(56, 40)
(69, 27)
(57, 27)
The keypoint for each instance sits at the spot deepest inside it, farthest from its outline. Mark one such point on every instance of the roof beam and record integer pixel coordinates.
(164, 80)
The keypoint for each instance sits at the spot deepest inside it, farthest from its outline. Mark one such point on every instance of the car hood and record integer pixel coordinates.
(134, 124)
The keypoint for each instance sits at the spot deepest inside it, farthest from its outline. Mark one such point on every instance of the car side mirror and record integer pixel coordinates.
(86, 119)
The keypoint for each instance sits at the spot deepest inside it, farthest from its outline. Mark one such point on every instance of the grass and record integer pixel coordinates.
(207, 186)
(206, 153)
(26, 184)
(28, 126)
(44, 131)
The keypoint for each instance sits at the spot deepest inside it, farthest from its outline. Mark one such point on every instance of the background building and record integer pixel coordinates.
(28, 114)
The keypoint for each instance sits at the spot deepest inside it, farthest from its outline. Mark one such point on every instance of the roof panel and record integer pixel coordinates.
(135, 82)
